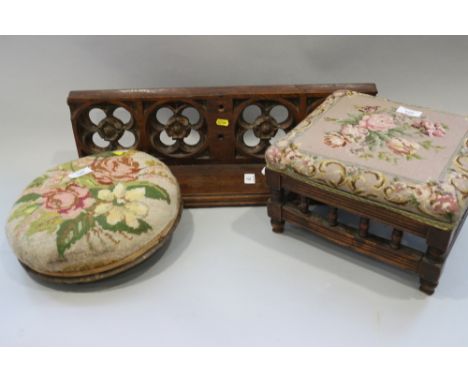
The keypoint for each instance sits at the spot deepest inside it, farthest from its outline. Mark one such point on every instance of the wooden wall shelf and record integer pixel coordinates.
(210, 137)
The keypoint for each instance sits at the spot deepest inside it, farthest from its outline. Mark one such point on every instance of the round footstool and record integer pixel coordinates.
(94, 217)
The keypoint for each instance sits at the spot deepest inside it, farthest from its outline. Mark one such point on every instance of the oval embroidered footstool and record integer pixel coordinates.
(94, 217)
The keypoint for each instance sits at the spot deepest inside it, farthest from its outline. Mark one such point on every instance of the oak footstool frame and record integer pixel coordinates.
(292, 198)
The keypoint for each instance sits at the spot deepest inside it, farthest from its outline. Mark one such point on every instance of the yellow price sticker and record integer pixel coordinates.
(222, 122)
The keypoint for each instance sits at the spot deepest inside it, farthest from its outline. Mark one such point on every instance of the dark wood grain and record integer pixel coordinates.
(211, 171)
(427, 265)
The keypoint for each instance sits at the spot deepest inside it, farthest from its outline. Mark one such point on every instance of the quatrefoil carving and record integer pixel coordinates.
(264, 126)
(169, 134)
(107, 126)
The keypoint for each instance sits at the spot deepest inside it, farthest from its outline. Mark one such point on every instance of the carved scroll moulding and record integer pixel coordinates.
(178, 129)
(107, 127)
(261, 121)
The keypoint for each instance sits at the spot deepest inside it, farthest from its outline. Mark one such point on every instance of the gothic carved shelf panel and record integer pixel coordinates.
(210, 137)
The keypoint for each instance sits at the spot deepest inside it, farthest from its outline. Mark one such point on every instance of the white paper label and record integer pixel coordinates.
(249, 178)
(77, 174)
(409, 112)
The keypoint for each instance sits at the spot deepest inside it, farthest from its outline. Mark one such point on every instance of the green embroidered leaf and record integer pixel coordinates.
(157, 192)
(384, 156)
(121, 226)
(28, 198)
(87, 181)
(398, 131)
(150, 162)
(39, 181)
(152, 190)
(414, 201)
(94, 191)
(68, 166)
(25, 209)
(353, 119)
(382, 136)
(426, 144)
(449, 216)
(413, 156)
(372, 141)
(366, 155)
(72, 230)
(47, 222)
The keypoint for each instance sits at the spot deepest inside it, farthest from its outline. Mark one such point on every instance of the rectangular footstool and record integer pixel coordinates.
(401, 165)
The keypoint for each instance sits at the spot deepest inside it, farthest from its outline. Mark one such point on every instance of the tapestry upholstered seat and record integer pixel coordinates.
(410, 161)
(95, 216)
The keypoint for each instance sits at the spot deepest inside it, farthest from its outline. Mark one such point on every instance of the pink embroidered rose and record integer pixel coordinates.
(273, 155)
(429, 128)
(69, 201)
(402, 146)
(335, 140)
(115, 169)
(377, 122)
(357, 133)
(445, 204)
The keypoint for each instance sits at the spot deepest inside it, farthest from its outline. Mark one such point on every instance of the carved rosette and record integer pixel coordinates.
(265, 126)
(110, 128)
(178, 127)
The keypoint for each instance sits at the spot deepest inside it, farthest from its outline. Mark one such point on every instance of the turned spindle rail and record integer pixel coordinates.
(292, 201)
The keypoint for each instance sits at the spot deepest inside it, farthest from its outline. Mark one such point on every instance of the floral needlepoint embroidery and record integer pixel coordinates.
(430, 128)
(69, 201)
(384, 134)
(402, 146)
(114, 169)
(112, 199)
(335, 140)
(377, 122)
(122, 205)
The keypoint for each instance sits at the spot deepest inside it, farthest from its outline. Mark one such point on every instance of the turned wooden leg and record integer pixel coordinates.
(427, 286)
(277, 226)
(430, 267)
(275, 204)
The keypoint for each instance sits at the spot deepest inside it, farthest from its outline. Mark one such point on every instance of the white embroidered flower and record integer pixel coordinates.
(356, 133)
(335, 140)
(121, 204)
(402, 146)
